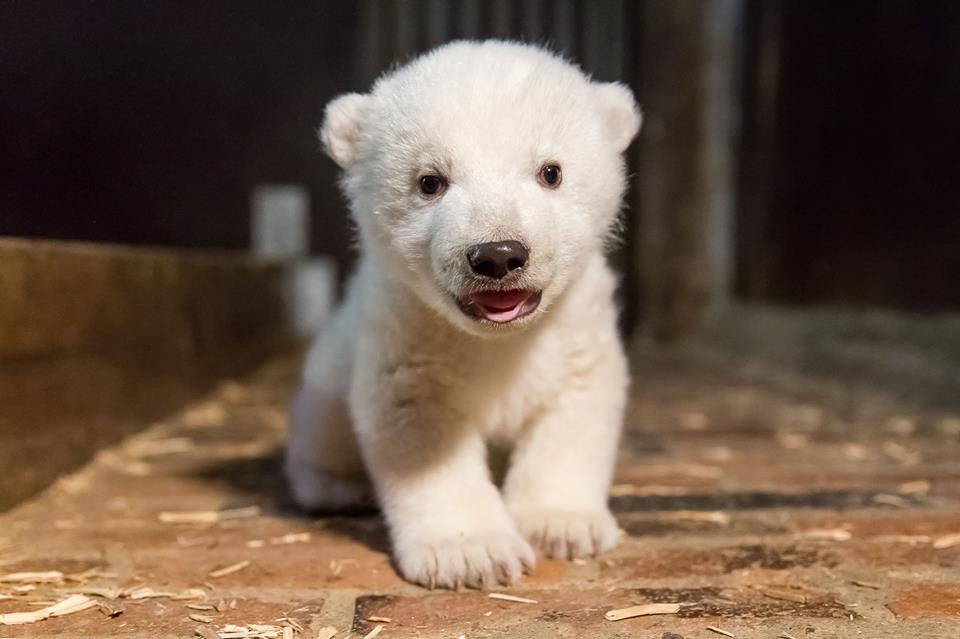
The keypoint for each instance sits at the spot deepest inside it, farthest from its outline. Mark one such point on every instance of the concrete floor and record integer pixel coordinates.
(764, 510)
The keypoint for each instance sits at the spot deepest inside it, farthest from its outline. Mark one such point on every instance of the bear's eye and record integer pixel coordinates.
(432, 185)
(549, 176)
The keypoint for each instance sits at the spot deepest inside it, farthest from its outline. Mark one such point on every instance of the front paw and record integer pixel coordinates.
(568, 534)
(472, 560)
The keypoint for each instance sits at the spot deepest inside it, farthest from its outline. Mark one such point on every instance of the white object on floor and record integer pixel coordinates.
(280, 221)
(280, 230)
(314, 291)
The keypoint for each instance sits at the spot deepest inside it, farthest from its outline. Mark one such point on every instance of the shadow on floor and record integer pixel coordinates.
(262, 479)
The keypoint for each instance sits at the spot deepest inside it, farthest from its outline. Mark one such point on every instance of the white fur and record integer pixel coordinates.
(403, 387)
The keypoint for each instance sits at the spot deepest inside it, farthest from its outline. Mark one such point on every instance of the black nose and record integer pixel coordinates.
(497, 259)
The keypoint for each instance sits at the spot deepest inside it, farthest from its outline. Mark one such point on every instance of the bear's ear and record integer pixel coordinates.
(619, 111)
(343, 121)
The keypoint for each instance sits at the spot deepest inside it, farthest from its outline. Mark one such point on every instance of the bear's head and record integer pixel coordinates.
(483, 176)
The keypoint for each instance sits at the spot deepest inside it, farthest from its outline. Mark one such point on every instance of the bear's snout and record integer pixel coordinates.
(496, 260)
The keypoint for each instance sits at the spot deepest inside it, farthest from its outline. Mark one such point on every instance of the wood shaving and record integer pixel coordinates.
(694, 422)
(793, 441)
(157, 447)
(785, 593)
(250, 631)
(110, 611)
(713, 517)
(720, 631)
(949, 426)
(207, 516)
(206, 607)
(229, 570)
(918, 487)
(373, 633)
(87, 575)
(866, 584)
(293, 623)
(827, 534)
(901, 425)
(233, 391)
(206, 633)
(106, 593)
(287, 632)
(144, 592)
(327, 632)
(721, 454)
(122, 464)
(46, 577)
(290, 538)
(204, 415)
(946, 541)
(642, 610)
(274, 418)
(75, 483)
(900, 453)
(505, 597)
(336, 567)
(69, 606)
(375, 619)
(896, 501)
(202, 618)
(854, 452)
(188, 542)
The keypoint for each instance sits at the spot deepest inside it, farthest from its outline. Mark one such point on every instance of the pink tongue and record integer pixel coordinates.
(500, 306)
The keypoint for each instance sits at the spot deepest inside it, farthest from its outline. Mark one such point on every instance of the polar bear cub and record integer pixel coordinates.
(485, 180)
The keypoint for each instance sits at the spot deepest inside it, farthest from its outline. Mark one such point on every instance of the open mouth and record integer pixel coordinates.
(500, 307)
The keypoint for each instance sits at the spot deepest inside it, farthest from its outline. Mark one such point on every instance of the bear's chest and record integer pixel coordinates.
(513, 389)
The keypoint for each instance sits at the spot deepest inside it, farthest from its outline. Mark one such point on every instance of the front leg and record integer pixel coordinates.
(448, 524)
(558, 483)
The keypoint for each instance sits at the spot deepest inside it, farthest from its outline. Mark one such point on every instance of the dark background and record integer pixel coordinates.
(149, 123)
(864, 196)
